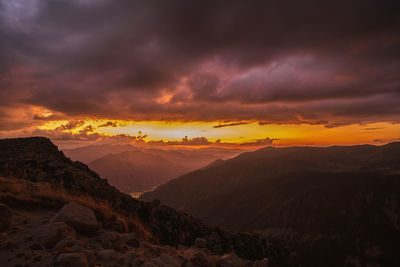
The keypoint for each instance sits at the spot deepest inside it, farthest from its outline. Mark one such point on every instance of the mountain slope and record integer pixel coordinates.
(90, 153)
(351, 193)
(37, 162)
(135, 171)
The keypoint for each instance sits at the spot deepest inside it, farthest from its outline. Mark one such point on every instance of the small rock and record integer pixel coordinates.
(111, 240)
(119, 225)
(72, 260)
(68, 244)
(261, 263)
(130, 257)
(107, 255)
(48, 235)
(199, 259)
(131, 240)
(231, 260)
(200, 242)
(166, 260)
(81, 218)
(5, 217)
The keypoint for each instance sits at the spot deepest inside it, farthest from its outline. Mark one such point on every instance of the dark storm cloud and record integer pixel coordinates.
(229, 124)
(276, 62)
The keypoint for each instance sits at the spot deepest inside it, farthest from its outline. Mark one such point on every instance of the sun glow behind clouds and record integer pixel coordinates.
(288, 134)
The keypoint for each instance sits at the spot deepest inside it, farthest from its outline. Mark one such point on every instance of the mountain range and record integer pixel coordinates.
(135, 170)
(341, 202)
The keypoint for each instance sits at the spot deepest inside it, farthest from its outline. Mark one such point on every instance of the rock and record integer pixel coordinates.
(119, 225)
(107, 255)
(5, 217)
(199, 259)
(166, 260)
(130, 258)
(49, 235)
(200, 243)
(261, 263)
(68, 244)
(111, 240)
(72, 260)
(81, 218)
(131, 239)
(231, 260)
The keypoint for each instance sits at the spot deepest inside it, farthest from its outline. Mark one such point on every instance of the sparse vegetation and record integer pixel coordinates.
(24, 192)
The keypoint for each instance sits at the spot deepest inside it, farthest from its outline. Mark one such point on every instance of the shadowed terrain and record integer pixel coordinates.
(337, 202)
(39, 181)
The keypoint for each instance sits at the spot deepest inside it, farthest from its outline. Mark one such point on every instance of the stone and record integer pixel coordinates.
(81, 218)
(231, 260)
(130, 258)
(5, 217)
(200, 242)
(166, 260)
(72, 260)
(107, 255)
(49, 235)
(262, 263)
(111, 240)
(131, 239)
(199, 259)
(68, 244)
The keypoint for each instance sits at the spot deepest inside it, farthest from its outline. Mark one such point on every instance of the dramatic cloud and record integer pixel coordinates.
(280, 62)
(229, 124)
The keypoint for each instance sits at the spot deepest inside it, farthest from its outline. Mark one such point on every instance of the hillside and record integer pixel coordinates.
(336, 202)
(39, 181)
(136, 171)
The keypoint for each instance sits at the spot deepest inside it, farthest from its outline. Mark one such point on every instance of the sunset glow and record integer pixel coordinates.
(256, 79)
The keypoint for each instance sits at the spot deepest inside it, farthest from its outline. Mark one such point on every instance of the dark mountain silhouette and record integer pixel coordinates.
(38, 177)
(135, 171)
(340, 203)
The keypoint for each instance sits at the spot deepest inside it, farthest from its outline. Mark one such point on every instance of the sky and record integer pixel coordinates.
(200, 73)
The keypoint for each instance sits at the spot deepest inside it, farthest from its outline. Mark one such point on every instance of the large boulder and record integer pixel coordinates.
(72, 260)
(49, 235)
(5, 217)
(81, 218)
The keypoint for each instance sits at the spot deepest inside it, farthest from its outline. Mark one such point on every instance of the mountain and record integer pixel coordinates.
(136, 171)
(56, 212)
(90, 153)
(190, 158)
(341, 203)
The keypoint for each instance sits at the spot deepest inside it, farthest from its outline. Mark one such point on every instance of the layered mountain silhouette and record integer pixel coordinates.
(132, 170)
(60, 213)
(336, 203)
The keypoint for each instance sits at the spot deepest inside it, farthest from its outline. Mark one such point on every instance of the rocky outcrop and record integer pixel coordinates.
(82, 219)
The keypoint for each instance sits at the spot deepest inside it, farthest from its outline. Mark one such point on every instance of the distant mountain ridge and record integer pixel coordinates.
(302, 193)
(134, 171)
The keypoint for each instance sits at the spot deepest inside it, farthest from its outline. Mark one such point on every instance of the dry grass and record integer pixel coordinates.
(45, 194)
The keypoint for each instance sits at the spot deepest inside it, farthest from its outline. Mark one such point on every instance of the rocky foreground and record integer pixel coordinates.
(74, 237)
(60, 213)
